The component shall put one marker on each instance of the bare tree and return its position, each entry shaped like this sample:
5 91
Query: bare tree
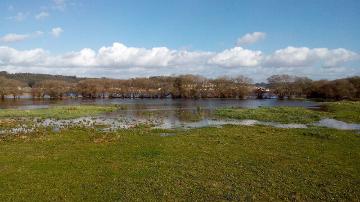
281 85
53 88
10 87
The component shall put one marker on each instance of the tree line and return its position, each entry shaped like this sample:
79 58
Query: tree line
30 78
185 86
286 86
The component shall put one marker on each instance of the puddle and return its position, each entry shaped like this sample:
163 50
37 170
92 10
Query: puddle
114 123
103 123
167 134
280 125
171 119
29 107
220 123
332 123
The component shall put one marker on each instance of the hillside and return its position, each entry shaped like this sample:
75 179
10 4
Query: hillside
30 78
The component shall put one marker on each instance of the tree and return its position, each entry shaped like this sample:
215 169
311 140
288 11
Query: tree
89 88
53 88
242 85
223 87
10 87
281 85
355 81
3 87
337 89
15 88
301 86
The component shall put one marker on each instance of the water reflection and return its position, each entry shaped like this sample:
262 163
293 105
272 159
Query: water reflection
158 104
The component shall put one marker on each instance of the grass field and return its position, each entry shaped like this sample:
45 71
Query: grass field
207 164
344 111
233 163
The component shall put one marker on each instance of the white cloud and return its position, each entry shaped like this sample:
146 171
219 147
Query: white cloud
57 31
121 61
337 56
303 56
20 16
250 38
38 33
237 57
9 38
12 37
42 15
11 56
120 56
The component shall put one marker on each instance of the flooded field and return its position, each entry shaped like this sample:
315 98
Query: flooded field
163 113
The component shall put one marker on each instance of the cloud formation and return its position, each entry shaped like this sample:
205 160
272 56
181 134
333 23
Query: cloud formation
20 16
237 57
303 57
57 31
9 38
42 15
250 38
120 61
12 37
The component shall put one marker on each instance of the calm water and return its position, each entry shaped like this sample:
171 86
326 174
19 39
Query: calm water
157 104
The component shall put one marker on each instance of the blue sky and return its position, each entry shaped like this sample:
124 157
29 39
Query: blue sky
319 39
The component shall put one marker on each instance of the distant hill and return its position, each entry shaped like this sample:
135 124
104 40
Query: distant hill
30 78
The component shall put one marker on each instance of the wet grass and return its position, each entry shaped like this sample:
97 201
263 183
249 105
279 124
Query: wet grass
59 112
273 114
183 115
15 122
207 164
344 111
190 116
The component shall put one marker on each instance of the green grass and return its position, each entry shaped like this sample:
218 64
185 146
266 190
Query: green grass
207 164
344 111
273 114
59 112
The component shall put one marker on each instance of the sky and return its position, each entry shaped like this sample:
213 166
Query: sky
140 38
